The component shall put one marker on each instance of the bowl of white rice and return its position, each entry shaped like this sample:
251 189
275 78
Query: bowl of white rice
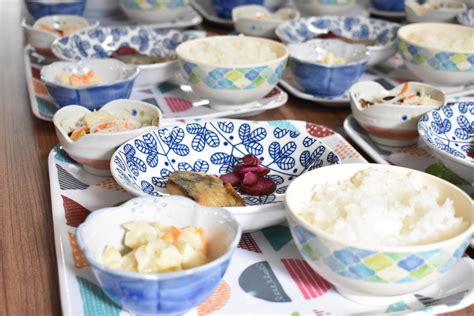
232 70
438 53
378 231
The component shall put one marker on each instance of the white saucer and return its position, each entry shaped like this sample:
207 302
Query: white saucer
204 7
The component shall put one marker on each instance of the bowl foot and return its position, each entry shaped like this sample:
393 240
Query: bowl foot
393 142
369 300
97 172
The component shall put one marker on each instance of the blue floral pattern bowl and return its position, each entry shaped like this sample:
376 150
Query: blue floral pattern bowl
171 293
449 134
383 33
223 8
39 9
101 42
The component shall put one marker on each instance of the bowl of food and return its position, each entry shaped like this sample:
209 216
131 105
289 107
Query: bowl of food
45 30
449 134
438 53
91 137
223 8
40 8
377 232
466 17
244 166
90 83
151 49
379 36
391 117
324 7
327 67
154 11
159 256
389 5
255 20
232 70
433 10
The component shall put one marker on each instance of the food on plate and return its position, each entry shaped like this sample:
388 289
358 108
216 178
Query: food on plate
362 41
250 176
331 59
470 153
130 55
204 189
405 97
153 248
438 37
79 78
382 208
59 28
104 122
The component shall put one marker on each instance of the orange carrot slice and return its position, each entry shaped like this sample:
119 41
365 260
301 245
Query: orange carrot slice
79 133
405 87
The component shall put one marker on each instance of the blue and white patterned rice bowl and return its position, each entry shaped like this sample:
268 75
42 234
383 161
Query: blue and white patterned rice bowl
231 85
384 33
40 8
374 274
449 134
153 11
142 165
171 293
466 17
147 40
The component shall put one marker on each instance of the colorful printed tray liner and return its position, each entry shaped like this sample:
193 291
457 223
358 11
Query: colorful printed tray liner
266 275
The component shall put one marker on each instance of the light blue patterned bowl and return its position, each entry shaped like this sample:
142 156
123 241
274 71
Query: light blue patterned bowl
449 134
466 17
101 42
361 271
153 11
383 33
171 293
40 8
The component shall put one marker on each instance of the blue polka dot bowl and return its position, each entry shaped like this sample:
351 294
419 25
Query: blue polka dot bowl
228 82
449 134
168 293
437 62
40 8
322 79
389 5
223 8
388 123
154 11
371 273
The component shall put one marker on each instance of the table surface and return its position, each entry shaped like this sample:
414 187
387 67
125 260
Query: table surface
29 275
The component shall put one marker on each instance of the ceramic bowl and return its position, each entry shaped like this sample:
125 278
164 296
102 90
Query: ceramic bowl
153 11
389 5
382 33
469 3
40 8
437 64
102 8
255 20
41 38
117 81
223 8
168 293
147 40
415 12
324 7
142 165
449 134
93 151
466 17
373 274
327 80
387 123
227 85
274 5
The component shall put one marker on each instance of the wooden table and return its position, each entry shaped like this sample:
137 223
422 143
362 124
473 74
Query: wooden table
29 275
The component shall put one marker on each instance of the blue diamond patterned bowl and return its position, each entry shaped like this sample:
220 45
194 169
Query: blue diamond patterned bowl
449 134
153 11
360 271
142 165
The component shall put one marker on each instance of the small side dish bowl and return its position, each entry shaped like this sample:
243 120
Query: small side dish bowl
327 79
322 7
223 8
433 11
153 11
466 18
210 66
116 81
389 5
369 273
449 134
167 293
40 8
255 20
428 52
388 123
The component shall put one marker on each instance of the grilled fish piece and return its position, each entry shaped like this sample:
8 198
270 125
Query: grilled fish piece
204 189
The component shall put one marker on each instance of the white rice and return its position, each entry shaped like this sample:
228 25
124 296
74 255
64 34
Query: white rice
237 50
381 208
444 40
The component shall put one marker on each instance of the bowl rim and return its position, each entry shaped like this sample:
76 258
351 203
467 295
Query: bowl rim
235 66
160 275
124 66
399 249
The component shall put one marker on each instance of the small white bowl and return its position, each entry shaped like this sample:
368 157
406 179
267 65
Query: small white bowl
255 20
319 7
391 124
94 151
416 13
